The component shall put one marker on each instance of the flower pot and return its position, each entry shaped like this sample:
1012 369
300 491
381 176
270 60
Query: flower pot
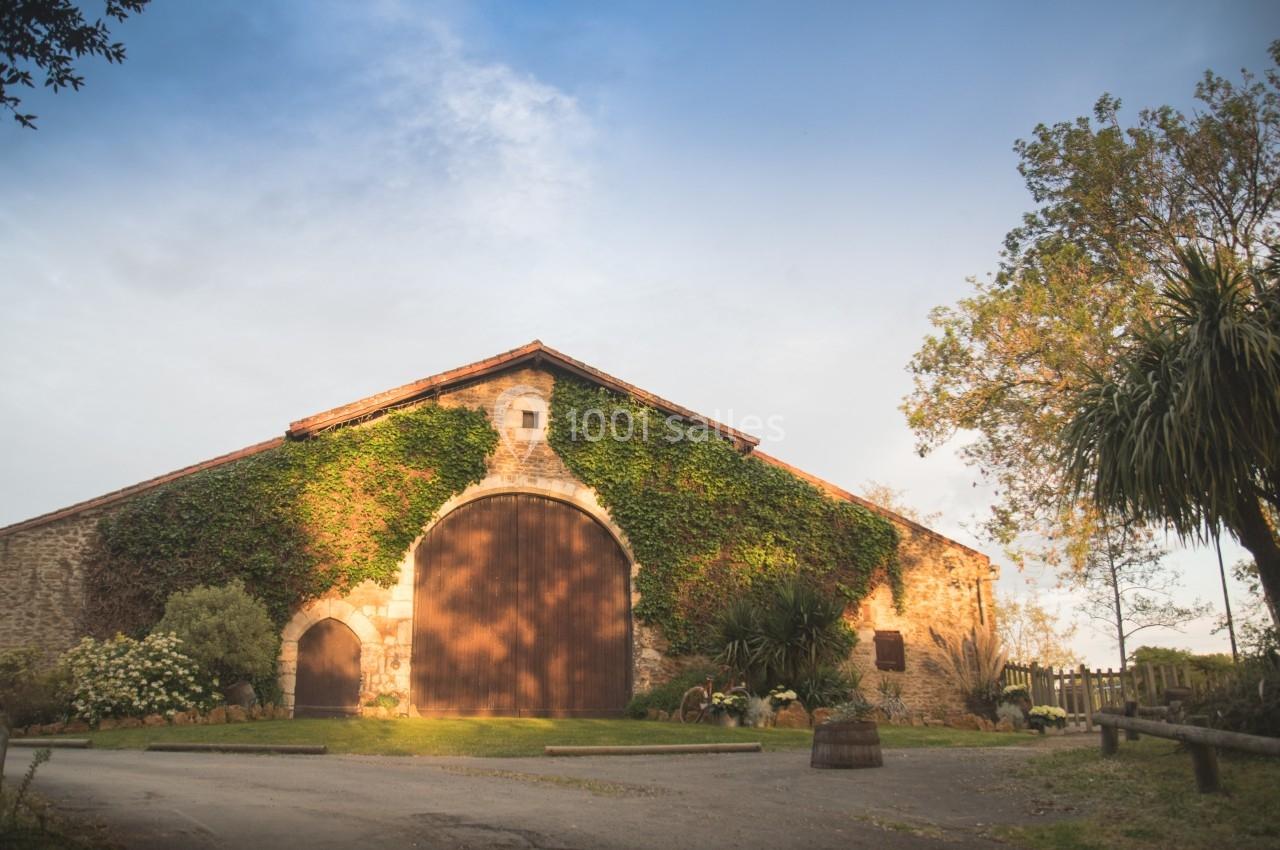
727 720
845 745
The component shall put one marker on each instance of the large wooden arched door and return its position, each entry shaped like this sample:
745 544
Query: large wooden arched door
522 605
328 681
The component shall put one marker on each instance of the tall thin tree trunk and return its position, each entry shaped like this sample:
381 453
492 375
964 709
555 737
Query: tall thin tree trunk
1256 535
1115 590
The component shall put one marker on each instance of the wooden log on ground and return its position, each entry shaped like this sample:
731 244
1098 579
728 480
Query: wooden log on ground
1257 744
653 750
52 743
281 749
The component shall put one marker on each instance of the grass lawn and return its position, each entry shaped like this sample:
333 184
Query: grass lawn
1145 797
508 736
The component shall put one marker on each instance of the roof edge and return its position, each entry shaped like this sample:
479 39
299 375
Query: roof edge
534 352
141 487
841 493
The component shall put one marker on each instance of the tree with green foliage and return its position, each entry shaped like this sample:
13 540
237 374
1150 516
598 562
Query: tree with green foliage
224 630
1184 428
47 35
1210 662
1115 205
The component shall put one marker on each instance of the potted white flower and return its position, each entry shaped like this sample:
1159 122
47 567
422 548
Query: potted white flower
727 709
781 697
1043 716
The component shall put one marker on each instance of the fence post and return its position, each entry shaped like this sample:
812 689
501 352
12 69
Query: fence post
1110 740
1088 698
1130 710
1035 683
1204 759
1149 675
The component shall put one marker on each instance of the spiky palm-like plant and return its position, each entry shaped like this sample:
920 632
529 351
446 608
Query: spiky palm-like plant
972 662
1185 430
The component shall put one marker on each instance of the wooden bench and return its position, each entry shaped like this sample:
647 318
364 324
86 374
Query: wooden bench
1202 743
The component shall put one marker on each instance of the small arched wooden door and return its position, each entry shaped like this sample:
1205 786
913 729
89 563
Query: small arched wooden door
522 606
328 681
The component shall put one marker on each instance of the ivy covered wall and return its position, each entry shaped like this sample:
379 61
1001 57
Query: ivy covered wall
292 522
706 522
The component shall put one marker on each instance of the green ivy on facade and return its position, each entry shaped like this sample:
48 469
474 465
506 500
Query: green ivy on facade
706 522
292 522
296 521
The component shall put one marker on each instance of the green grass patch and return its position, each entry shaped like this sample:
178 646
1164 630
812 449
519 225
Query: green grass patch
1145 798
471 736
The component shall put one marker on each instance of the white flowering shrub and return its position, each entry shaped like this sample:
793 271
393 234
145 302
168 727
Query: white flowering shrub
123 677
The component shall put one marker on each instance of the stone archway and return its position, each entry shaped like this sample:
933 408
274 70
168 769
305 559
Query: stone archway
328 676
371 650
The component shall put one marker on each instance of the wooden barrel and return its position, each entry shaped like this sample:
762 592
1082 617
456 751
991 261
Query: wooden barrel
854 743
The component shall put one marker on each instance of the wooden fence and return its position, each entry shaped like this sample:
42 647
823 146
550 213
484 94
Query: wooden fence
1082 693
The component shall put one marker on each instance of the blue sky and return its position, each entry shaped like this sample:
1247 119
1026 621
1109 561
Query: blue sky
271 209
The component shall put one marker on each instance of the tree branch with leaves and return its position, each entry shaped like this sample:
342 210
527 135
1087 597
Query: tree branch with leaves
46 36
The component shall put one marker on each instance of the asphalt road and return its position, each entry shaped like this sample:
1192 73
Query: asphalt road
927 798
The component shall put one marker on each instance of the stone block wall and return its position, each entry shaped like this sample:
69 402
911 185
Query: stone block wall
946 586
41 580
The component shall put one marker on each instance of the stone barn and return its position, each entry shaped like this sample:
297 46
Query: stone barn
525 535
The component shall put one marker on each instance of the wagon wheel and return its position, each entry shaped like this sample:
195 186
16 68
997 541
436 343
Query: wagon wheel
693 705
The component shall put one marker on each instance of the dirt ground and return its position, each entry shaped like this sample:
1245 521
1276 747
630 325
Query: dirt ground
921 798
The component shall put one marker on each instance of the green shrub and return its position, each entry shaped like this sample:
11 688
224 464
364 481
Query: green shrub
827 686
123 677
31 690
666 697
1248 702
788 633
227 632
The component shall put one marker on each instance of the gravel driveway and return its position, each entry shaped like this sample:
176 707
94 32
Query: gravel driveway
920 798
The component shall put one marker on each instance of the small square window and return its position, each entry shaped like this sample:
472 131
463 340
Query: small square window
529 419
890 653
